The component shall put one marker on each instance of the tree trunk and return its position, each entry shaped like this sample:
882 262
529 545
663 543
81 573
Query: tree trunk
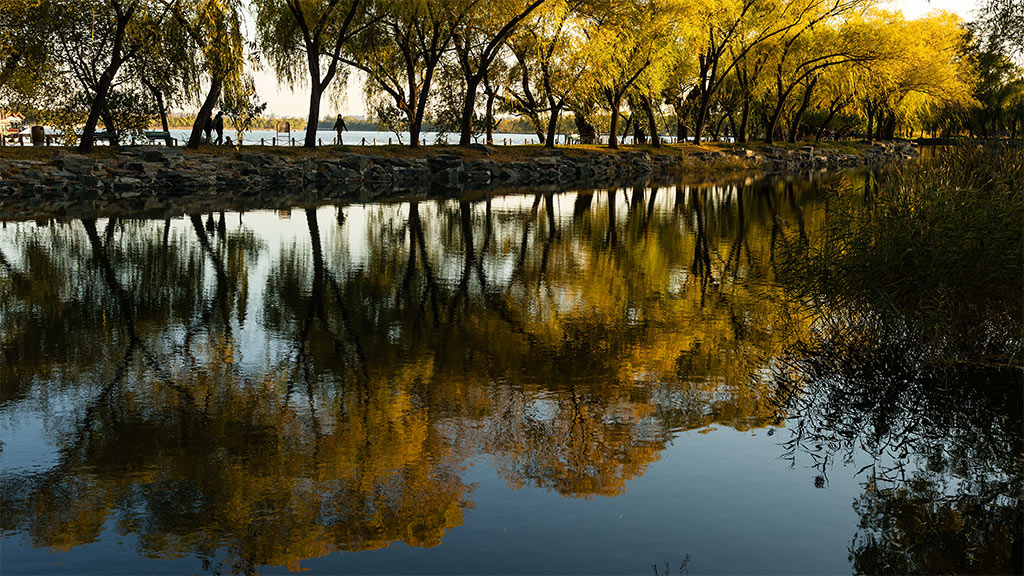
162 108
772 124
414 134
702 115
824 125
795 127
741 133
205 111
549 142
639 132
99 104
613 141
110 127
541 135
313 119
588 135
489 117
652 124
418 101
890 127
466 125
718 128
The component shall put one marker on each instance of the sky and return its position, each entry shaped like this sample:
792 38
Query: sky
281 101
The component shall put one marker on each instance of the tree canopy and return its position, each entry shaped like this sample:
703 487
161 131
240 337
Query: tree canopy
639 69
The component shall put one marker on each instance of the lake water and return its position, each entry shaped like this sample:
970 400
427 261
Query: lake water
377 138
355 137
589 382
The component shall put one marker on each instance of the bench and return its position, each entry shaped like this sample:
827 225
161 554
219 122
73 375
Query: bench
161 135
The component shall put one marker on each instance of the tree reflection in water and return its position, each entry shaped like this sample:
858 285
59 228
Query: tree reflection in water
256 393
938 413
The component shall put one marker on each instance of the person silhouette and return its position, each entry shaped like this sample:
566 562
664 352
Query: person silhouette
339 127
218 126
208 128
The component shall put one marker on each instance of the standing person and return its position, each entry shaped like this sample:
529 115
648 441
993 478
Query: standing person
218 125
207 128
339 127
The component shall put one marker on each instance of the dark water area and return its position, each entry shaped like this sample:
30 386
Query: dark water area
588 382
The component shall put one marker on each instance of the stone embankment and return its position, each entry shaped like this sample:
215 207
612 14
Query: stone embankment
151 179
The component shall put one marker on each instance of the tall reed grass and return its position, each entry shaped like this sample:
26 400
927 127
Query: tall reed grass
934 248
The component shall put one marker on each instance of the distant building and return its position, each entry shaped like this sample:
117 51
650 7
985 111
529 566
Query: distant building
10 122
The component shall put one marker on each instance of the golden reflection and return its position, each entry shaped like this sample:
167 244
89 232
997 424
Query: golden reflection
287 388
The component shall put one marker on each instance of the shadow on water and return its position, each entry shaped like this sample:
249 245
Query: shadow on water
264 388
942 484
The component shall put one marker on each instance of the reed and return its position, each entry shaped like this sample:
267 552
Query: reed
934 248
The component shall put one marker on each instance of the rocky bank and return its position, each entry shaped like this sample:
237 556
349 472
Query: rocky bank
153 180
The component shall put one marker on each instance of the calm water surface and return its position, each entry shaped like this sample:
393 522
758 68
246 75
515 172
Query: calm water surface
585 382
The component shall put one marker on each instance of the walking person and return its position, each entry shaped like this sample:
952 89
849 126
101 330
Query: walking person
218 126
339 127
208 128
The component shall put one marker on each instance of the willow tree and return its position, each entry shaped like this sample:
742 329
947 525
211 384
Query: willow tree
549 57
305 42
25 49
924 68
800 59
836 93
214 27
625 41
92 41
644 96
731 28
679 84
170 73
401 51
479 42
